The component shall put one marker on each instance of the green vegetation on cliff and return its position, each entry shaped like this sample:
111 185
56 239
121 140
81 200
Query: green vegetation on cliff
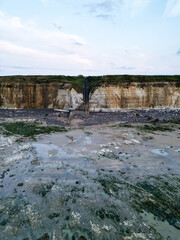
75 81
93 81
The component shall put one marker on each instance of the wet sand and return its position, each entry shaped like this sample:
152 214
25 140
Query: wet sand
104 181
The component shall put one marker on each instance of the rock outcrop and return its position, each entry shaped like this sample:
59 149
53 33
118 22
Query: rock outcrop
136 95
106 92
39 95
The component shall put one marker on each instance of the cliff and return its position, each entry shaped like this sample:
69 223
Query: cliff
106 92
136 95
39 95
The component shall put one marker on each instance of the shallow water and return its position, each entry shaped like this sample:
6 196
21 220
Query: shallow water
159 151
90 183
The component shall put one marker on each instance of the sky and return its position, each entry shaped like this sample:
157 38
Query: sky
89 37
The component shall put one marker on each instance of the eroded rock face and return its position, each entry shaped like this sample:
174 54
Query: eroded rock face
136 95
58 95
39 95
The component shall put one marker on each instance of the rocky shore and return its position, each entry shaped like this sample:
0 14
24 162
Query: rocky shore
105 176
94 118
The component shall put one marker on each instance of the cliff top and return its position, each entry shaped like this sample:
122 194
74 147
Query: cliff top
93 81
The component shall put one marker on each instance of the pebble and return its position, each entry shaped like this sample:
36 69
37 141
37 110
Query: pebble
20 184
3 223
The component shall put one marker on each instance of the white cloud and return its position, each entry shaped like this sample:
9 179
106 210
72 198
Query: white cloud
13 49
172 8
24 44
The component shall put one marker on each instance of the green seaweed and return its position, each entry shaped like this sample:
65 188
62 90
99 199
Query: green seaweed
154 128
125 125
158 197
159 204
26 129
175 121
102 213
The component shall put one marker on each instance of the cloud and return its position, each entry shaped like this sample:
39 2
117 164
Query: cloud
105 16
126 68
57 26
172 8
106 6
9 48
106 9
103 10
24 45
178 52
40 56
16 67
25 68
78 43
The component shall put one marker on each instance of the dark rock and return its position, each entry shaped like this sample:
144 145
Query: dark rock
82 238
48 186
154 120
44 237
12 175
3 223
43 193
3 174
117 218
101 215
20 184
35 162
148 117
75 236
42 190
54 215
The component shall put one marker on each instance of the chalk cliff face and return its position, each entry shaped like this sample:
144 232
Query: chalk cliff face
58 95
39 95
136 95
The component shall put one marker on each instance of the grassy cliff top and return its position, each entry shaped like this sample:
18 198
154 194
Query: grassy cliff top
93 81
75 81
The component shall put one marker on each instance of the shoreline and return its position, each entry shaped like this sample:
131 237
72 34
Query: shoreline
61 118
